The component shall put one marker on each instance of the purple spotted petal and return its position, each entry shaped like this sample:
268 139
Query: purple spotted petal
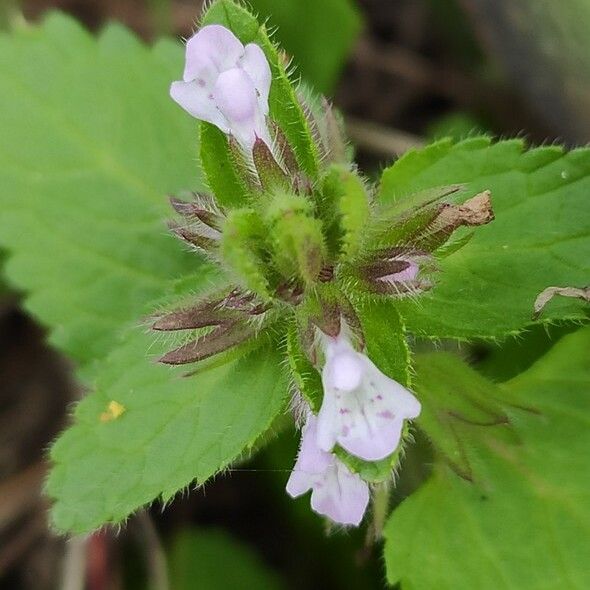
344 496
336 492
363 410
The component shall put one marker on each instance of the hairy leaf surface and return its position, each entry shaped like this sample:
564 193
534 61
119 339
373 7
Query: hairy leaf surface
88 153
540 237
173 430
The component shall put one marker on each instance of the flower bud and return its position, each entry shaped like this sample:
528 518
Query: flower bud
242 249
296 236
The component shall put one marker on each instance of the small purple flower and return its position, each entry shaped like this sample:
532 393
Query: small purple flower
336 493
407 275
226 84
363 409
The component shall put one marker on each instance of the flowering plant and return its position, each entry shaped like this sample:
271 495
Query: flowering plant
303 296
301 254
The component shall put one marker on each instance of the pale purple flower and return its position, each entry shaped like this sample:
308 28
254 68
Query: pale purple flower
404 276
336 492
363 410
226 84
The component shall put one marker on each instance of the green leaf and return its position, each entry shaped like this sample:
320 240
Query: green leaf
385 336
318 49
540 237
456 403
92 146
212 560
173 430
504 360
89 151
283 104
524 521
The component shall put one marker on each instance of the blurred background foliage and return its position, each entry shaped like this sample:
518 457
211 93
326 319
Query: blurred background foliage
402 73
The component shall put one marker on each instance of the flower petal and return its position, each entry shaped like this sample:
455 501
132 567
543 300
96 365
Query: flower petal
311 462
255 64
226 84
343 497
408 274
365 420
235 96
210 51
236 99
190 96
336 492
329 426
344 371
405 403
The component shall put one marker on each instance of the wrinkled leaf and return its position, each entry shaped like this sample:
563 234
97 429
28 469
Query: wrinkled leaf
89 151
540 235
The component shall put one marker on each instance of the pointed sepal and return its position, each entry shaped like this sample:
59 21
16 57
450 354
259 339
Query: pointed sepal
219 340
194 237
202 315
474 212
202 208
270 173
